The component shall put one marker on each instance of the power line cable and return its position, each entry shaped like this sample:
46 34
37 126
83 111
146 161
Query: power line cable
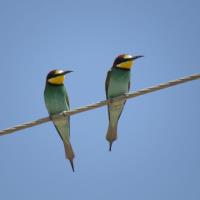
102 103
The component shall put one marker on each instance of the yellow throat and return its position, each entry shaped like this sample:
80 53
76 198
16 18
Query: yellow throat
59 79
125 65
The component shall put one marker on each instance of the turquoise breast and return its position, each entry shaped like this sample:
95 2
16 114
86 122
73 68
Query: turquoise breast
119 82
55 99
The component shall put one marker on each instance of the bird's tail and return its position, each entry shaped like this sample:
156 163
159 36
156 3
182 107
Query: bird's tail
111 135
69 154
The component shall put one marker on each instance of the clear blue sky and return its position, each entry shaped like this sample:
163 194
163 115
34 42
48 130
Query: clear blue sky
157 155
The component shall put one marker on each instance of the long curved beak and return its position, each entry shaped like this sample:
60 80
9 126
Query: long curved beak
136 57
66 72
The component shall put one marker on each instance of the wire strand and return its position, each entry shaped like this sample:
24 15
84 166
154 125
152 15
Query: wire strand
102 103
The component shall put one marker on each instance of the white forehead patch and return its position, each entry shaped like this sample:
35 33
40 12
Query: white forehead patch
127 56
59 71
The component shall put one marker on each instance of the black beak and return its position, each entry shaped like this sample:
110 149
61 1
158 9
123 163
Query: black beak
136 57
66 72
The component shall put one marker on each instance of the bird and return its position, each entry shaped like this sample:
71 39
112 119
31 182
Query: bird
57 101
117 83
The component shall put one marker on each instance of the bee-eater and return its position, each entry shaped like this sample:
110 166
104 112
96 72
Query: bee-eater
117 83
57 101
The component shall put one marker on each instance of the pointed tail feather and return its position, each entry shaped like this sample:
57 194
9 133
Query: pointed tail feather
111 135
72 164
110 146
69 154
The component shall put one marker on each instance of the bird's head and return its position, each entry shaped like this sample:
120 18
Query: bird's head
125 61
56 77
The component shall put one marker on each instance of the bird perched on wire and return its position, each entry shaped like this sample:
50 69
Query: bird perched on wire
117 83
57 101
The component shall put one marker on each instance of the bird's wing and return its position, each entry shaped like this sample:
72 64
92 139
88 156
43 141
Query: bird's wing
121 110
67 101
67 98
106 88
129 85
58 132
107 82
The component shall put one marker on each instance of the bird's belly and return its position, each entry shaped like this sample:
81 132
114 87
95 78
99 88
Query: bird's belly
115 110
56 104
117 88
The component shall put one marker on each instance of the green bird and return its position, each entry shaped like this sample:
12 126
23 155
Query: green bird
117 84
57 101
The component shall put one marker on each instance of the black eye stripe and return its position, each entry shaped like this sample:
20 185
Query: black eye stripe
120 59
53 75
